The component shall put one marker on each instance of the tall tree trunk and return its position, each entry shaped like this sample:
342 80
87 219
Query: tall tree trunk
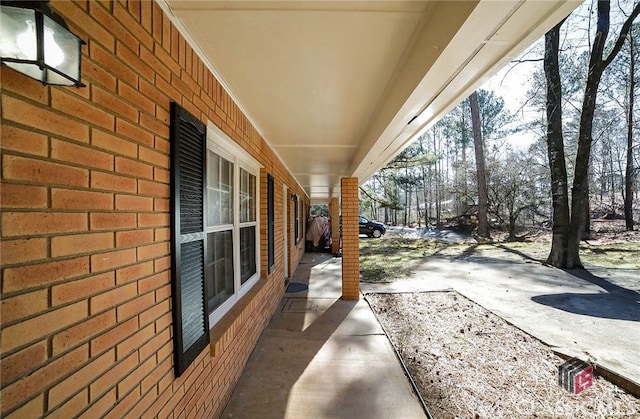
613 182
418 215
513 217
407 207
465 191
406 197
483 224
628 178
555 149
428 195
438 175
586 231
603 180
446 179
580 189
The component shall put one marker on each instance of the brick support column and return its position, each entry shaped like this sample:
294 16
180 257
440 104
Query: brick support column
334 214
350 240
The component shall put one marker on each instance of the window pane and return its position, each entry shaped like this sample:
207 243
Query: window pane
219 268
219 190
247 196
213 171
247 253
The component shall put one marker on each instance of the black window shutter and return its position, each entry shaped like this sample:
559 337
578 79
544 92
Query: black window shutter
188 169
296 219
270 224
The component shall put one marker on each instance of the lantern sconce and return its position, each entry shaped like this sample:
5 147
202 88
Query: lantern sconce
37 42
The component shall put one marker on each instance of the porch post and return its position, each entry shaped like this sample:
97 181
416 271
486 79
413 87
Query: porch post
350 240
334 214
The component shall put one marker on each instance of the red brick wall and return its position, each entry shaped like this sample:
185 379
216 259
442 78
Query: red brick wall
350 241
86 296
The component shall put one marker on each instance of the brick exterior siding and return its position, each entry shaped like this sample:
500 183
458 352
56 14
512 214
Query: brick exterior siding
350 239
86 325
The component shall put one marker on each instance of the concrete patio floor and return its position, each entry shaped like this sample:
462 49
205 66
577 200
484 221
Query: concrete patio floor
323 357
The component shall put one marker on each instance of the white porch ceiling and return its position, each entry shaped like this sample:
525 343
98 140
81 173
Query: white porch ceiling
338 88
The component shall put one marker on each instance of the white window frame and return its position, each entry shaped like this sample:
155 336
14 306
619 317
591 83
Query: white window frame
221 144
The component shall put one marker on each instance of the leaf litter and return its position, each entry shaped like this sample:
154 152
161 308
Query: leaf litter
469 363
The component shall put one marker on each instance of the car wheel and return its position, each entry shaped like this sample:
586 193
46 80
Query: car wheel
376 233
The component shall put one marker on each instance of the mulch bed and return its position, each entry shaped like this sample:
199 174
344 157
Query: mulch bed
469 363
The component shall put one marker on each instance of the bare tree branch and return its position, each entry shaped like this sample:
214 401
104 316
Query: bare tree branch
623 35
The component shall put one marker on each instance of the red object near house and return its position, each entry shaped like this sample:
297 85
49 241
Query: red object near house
575 375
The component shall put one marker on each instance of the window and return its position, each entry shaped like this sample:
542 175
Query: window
270 224
232 223
248 244
214 230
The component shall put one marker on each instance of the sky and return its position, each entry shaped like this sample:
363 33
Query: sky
512 82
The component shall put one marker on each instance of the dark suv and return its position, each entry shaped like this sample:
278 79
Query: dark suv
371 228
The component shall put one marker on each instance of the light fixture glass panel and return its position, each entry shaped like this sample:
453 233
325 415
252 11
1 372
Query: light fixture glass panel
31 70
57 79
61 49
36 44
53 54
18 34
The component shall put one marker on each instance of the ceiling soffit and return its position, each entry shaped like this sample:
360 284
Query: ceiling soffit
333 85
494 33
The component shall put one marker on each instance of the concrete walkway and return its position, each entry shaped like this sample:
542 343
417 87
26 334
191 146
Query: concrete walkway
322 357
593 314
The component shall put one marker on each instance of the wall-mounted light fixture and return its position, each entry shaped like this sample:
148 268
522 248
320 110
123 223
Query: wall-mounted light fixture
36 41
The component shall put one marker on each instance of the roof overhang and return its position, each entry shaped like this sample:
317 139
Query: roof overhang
338 88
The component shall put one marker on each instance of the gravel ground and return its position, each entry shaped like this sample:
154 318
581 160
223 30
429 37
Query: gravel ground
469 363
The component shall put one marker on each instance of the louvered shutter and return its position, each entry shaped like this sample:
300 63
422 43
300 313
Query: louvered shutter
188 169
270 224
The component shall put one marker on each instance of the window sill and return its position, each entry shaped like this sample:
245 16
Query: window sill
224 332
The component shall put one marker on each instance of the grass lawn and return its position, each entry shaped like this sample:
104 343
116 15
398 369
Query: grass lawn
390 258
611 256
386 259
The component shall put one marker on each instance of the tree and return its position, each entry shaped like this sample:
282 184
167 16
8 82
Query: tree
613 131
568 231
555 150
429 175
458 128
597 65
483 224
513 188
628 180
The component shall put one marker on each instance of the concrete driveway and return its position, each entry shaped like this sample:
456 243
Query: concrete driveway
593 314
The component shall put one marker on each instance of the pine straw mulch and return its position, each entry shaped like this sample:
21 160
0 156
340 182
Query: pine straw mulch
469 363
